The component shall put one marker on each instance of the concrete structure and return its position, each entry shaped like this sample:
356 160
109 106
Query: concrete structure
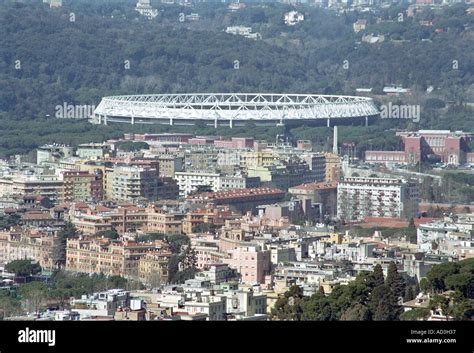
243 200
100 304
53 153
131 183
448 237
232 108
448 147
358 198
18 244
323 193
110 257
251 262
81 186
93 150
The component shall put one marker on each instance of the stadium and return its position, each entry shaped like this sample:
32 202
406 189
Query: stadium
235 109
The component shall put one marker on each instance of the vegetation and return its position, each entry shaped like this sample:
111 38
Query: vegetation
59 251
8 221
109 49
131 146
369 297
204 228
23 268
111 234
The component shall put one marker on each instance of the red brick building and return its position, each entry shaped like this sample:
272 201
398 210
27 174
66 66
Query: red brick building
446 146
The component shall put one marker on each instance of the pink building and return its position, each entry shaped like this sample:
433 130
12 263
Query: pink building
235 142
252 263
159 137
200 141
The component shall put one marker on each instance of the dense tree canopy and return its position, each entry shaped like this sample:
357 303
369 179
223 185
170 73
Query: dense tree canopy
48 59
23 267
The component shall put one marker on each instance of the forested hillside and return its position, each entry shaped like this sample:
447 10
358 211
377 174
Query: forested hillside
88 49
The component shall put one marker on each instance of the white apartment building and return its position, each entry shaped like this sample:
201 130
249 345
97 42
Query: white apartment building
245 304
129 183
212 306
447 238
100 304
188 182
358 198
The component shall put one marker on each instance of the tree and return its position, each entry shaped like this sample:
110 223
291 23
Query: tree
425 285
317 308
378 276
409 294
34 295
204 228
383 304
9 306
288 307
415 314
23 268
59 250
439 272
110 234
116 282
463 282
395 281
438 302
358 312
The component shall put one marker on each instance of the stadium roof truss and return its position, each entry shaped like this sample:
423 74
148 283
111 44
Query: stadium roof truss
232 106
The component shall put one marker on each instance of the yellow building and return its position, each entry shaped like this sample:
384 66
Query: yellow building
153 268
259 159
25 244
333 167
110 257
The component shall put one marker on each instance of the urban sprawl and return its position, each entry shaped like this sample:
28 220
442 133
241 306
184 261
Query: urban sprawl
174 226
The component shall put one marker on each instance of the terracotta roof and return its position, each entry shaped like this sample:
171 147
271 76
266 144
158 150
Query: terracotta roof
36 215
316 186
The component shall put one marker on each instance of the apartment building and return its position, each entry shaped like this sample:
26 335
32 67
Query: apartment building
317 165
243 200
251 262
110 257
41 185
160 221
153 267
333 164
358 198
324 193
210 214
81 186
190 182
169 165
447 237
207 251
132 183
26 244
